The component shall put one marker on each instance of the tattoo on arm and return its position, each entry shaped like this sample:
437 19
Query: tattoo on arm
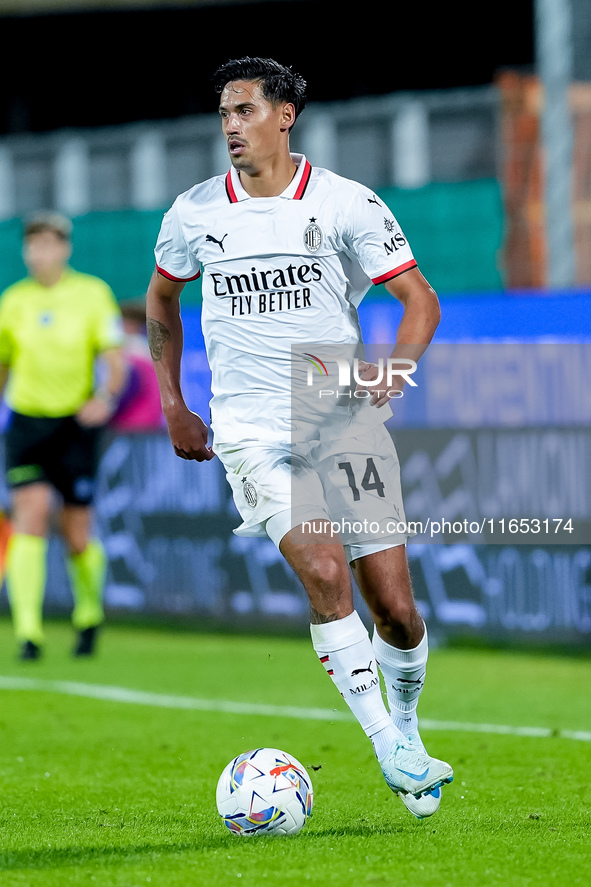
317 618
157 336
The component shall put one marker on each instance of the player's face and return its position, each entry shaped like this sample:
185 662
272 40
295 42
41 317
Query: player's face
45 253
254 129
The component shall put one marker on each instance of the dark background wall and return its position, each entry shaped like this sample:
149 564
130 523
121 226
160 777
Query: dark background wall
101 68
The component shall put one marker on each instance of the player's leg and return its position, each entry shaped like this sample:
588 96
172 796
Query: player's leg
261 480
74 477
378 559
86 564
26 564
400 643
370 496
27 444
339 637
400 637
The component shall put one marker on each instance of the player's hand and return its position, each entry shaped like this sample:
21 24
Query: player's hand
95 412
188 434
380 395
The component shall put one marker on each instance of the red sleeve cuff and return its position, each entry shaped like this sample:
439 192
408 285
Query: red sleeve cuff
170 276
389 275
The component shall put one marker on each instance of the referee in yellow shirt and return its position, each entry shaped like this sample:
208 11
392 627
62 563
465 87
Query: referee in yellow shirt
54 325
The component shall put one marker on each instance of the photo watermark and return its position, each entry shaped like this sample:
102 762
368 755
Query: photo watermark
481 444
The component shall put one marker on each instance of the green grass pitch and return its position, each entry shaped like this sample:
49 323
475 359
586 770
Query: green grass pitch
118 794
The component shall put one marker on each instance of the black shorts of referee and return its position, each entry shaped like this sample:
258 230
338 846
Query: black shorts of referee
59 451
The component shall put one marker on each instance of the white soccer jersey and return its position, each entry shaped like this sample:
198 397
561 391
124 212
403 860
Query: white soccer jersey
277 271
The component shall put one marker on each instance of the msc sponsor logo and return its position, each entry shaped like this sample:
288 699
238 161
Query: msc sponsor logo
397 241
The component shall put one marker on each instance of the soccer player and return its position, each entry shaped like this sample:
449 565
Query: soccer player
287 252
54 325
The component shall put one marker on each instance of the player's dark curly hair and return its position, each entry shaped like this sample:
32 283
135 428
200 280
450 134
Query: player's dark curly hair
278 83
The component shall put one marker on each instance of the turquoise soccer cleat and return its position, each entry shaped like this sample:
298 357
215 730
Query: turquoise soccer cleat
427 804
409 770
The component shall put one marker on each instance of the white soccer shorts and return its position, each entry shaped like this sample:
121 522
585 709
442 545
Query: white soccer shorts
348 491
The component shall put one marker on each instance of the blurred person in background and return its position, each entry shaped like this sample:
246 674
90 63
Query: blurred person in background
54 326
139 408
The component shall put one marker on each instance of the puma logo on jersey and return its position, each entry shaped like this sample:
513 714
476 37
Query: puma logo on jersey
220 243
374 200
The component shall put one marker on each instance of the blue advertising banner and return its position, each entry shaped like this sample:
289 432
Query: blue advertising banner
495 450
167 527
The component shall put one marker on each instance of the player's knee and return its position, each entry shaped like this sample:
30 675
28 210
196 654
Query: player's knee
30 512
75 538
326 572
396 616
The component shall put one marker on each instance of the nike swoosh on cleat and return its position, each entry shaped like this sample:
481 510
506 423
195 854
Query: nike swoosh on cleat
417 776
431 791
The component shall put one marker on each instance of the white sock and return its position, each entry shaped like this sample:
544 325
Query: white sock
345 650
404 676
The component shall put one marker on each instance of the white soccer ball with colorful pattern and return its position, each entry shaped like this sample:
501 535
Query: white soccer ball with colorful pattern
265 791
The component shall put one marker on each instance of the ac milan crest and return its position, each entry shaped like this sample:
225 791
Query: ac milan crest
250 493
313 237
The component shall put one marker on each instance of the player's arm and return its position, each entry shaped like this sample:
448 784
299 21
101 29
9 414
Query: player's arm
419 321
5 345
103 403
4 370
188 432
421 309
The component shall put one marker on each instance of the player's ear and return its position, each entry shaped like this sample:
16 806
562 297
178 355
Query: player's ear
288 116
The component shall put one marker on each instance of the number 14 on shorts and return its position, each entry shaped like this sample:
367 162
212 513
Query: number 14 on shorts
369 482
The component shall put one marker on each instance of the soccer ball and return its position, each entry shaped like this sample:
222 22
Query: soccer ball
264 792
